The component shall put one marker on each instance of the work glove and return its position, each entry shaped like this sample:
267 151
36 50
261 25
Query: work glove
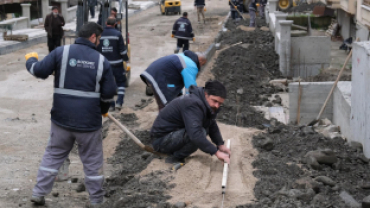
172 35
194 39
236 7
32 54
205 9
257 4
105 115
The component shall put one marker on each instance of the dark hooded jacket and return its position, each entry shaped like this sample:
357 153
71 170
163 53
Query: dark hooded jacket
199 3
193 113
170 74
182 29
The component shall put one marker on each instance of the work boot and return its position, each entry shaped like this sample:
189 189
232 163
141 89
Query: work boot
93 205
174 160
38 200
118 106
176 50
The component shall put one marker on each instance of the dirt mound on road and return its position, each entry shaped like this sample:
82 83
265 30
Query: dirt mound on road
287 178
245 72
232 25
253 37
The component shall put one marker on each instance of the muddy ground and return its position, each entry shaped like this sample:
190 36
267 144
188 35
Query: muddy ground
296 166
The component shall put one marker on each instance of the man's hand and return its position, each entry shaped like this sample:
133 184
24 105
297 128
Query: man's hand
32 54
172 35
105 115
224 149
223 157
236 7
193 39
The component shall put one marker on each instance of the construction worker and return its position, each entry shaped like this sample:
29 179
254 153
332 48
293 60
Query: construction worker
83 88
252 13
92 4
263 4
182 126
199 5
112 46
183 31
168 75
54 23
234 6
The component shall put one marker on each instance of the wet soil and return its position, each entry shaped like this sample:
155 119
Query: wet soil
245 71
279 168
288 177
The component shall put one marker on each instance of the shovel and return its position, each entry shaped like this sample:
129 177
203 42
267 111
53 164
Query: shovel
133 137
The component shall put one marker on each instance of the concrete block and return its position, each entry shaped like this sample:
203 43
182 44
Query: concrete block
360 99
26 12
342 108
313 97
309 55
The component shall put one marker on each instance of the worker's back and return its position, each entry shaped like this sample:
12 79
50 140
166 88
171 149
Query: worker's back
82 79
112 46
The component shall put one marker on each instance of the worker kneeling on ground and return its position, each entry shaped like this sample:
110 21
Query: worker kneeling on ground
182 126
183 31
168 75
113 48
83 88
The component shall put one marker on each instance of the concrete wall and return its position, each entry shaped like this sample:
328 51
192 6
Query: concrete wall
360 104
310 54
342 108
18 23
71 13
344 21
362 32
312 98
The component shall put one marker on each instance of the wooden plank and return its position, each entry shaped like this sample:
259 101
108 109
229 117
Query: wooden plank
278 113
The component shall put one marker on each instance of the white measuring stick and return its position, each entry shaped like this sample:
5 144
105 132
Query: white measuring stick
226 171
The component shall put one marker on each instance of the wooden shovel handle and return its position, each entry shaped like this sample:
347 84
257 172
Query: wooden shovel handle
131 135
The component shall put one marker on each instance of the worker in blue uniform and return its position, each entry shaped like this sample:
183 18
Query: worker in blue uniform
168 75
112 46
83 88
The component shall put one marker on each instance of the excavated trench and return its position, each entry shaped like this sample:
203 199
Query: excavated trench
295 167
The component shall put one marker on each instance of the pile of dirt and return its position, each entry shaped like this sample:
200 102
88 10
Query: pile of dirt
304 7
252 37
232 25
245 72
298 167
124 188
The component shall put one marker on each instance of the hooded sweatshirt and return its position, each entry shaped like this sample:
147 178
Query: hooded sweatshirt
193 113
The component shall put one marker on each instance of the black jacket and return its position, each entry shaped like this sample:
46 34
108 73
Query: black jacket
237 3
112 46
199 3
83 84
193 113
182 29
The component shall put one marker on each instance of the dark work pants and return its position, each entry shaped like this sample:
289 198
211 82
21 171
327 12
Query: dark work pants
252 21
92 11
234 14
120 77
176 143
156 97
90 149
53 42
184 44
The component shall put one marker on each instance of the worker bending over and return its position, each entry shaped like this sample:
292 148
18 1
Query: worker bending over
183 125
83 88
112 46
168 75
183 31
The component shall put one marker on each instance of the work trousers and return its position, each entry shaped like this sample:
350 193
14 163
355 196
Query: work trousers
60 144
262 11
176 143
234 14
252 21
54 42
200 11
182 43
156 97
119 74
92 11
